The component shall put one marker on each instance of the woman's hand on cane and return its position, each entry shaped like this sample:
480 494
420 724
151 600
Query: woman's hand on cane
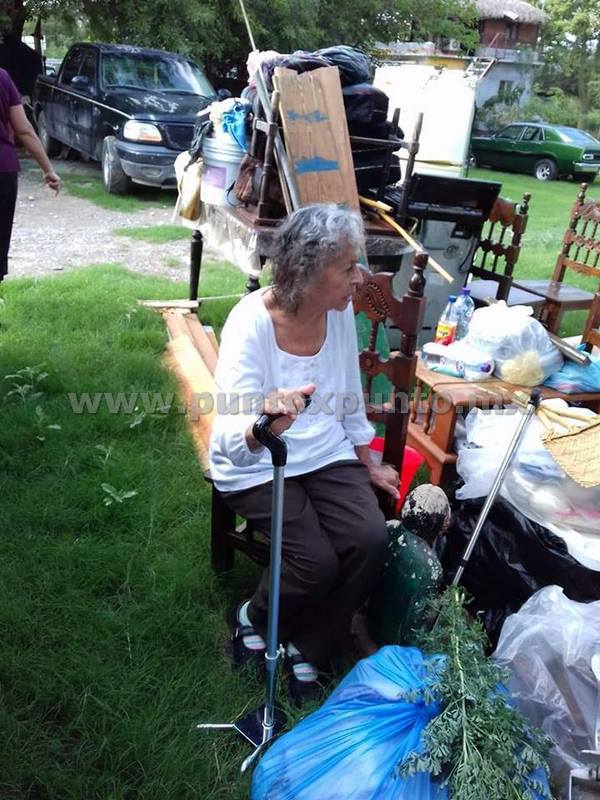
285 404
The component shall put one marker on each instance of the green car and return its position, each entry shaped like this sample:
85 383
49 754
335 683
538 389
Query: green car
546 151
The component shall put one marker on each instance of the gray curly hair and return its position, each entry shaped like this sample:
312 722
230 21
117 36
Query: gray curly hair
305 243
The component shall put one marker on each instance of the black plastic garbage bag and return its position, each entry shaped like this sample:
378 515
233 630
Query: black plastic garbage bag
365 104
354 65
513 558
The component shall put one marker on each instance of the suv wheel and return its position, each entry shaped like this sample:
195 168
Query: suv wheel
546 170
52 146
113 177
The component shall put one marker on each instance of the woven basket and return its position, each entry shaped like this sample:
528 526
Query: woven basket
578 452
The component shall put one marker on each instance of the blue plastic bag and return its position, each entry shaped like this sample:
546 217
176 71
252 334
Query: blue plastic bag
351 747
234 123
571 377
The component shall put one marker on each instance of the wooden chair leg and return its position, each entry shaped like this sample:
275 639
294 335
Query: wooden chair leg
222 521
195 263
552 317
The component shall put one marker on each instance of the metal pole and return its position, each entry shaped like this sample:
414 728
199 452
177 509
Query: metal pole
532 405
273 651
274 589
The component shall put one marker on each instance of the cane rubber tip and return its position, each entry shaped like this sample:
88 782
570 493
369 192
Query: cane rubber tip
535 397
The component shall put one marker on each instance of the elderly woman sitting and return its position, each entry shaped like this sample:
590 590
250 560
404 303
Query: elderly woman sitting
297 337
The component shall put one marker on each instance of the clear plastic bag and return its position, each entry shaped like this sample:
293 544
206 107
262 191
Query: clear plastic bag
547 647
535 484
350 748
487 436
519 344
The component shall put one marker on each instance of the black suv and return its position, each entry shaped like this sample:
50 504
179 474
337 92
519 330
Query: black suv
131 108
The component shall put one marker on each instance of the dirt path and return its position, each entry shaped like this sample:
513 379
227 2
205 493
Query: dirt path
52 235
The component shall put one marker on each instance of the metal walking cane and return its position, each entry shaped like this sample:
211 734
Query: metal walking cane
260 725
534 401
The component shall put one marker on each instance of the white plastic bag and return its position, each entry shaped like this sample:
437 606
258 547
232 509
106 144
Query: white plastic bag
547 647
519 344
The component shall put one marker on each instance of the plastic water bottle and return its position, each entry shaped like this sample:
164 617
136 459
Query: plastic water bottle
464 312
435 357
458 359
445 333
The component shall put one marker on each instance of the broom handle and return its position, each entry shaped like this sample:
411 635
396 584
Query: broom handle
289 187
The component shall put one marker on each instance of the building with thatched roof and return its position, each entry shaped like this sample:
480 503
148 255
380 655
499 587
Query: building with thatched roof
519 9
508 32
508 55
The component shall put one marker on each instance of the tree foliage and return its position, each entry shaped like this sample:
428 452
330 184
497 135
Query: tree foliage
571 53
213 32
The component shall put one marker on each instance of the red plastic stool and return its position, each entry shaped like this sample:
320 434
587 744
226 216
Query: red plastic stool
410 464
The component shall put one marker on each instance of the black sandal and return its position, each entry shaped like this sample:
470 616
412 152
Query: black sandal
300 691
243 655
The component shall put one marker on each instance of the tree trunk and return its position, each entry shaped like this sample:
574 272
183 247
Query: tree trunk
17 14
583 76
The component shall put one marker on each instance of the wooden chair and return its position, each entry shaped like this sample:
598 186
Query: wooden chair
376 299
497 253
581 253
591 333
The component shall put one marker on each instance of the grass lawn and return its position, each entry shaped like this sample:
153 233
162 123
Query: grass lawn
112 623
549 211
155 234
89 187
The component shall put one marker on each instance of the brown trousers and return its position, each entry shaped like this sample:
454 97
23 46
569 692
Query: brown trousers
333 551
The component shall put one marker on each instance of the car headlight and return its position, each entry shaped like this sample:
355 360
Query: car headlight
141 131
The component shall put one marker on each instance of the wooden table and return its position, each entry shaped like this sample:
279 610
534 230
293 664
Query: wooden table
438 401
253 242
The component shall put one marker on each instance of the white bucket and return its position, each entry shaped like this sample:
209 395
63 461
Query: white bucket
221 161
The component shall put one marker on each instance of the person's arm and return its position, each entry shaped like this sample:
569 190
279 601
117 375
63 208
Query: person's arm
354 419
24 132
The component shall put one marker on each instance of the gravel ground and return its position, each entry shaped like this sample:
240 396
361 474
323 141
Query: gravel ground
54 234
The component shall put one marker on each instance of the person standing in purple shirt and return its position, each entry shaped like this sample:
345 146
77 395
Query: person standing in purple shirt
14 125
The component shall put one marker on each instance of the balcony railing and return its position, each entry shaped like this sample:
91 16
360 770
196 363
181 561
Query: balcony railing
517 55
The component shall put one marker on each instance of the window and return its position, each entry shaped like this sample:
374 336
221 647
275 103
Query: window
154 73
575 136
88 66
504 87
512 132
71 66
531 134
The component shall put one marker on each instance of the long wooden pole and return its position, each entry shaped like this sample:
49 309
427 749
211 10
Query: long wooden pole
381 209
291 195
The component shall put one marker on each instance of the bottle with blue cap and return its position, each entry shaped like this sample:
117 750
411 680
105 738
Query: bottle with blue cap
464 308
